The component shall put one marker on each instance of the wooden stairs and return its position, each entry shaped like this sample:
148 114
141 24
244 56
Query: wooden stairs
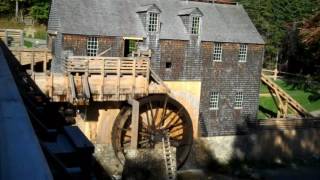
284 100
169 158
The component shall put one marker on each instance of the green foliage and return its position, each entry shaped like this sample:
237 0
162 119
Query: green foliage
5 7
38 9
272 17
40 12
28 44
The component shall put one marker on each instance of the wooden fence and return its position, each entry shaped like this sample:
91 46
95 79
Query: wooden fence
108 65
12 37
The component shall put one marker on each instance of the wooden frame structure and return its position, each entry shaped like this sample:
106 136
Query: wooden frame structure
12 37
283 100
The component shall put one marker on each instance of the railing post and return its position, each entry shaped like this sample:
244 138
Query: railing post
118 78
6 37
133 77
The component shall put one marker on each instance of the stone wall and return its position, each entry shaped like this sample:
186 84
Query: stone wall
267 146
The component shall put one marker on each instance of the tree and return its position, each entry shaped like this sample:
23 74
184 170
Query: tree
272 17
5 7
40 11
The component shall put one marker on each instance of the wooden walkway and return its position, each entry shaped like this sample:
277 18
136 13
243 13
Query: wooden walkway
284 100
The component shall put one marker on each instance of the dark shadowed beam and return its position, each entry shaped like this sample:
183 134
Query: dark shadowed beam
21 156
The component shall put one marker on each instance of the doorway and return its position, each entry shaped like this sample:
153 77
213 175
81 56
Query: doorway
130 45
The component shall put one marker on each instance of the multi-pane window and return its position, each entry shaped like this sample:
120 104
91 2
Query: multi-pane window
153 22
238 100
243 53
92 46
217 52
195 28
214 100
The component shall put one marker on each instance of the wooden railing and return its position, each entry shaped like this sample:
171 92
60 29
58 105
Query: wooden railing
108 65
31 56
284 99
12 37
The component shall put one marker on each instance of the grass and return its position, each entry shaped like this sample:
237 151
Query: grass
268 107
7 23
27 44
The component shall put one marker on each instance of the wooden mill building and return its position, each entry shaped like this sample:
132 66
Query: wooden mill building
209 54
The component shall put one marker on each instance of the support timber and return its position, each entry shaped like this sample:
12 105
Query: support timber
283 100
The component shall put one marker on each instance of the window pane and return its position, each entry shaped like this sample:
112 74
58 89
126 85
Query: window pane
153 22
243 53
238 100
214 100
195 25
92 46
217 52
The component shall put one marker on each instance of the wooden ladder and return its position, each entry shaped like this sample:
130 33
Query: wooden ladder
284 99
168 157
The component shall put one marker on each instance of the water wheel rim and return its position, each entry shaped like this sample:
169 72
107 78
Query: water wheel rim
167 114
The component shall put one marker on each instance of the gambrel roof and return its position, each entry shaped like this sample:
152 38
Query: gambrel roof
220 22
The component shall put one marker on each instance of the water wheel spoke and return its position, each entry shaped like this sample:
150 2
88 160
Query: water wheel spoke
163 114
144 133
151 111
176 136
144 141
175 118
158 114
147 118
176 124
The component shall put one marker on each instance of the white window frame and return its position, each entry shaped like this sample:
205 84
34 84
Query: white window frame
214 100
92 46
238 102
243 51
195 25
153 21
217 52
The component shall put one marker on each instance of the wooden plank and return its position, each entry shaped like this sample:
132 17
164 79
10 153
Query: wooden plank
134 123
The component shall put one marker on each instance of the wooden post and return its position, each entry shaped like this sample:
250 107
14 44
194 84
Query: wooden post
21 38
102 79
118 78
134 77
134 123
147 77
51 86
6 37
45 63
32 64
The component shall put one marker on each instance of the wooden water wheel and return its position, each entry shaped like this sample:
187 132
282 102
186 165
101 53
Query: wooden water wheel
158 115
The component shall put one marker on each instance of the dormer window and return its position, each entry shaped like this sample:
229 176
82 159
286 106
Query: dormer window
153 22
195 28
149 15
191 18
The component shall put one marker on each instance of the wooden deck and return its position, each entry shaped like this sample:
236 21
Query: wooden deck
100 79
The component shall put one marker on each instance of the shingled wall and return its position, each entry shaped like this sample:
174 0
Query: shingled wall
78 45
192 60
228 77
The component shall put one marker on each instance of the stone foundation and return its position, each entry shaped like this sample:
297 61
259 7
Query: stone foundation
268 146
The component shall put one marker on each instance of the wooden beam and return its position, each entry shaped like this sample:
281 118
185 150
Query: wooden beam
134 123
